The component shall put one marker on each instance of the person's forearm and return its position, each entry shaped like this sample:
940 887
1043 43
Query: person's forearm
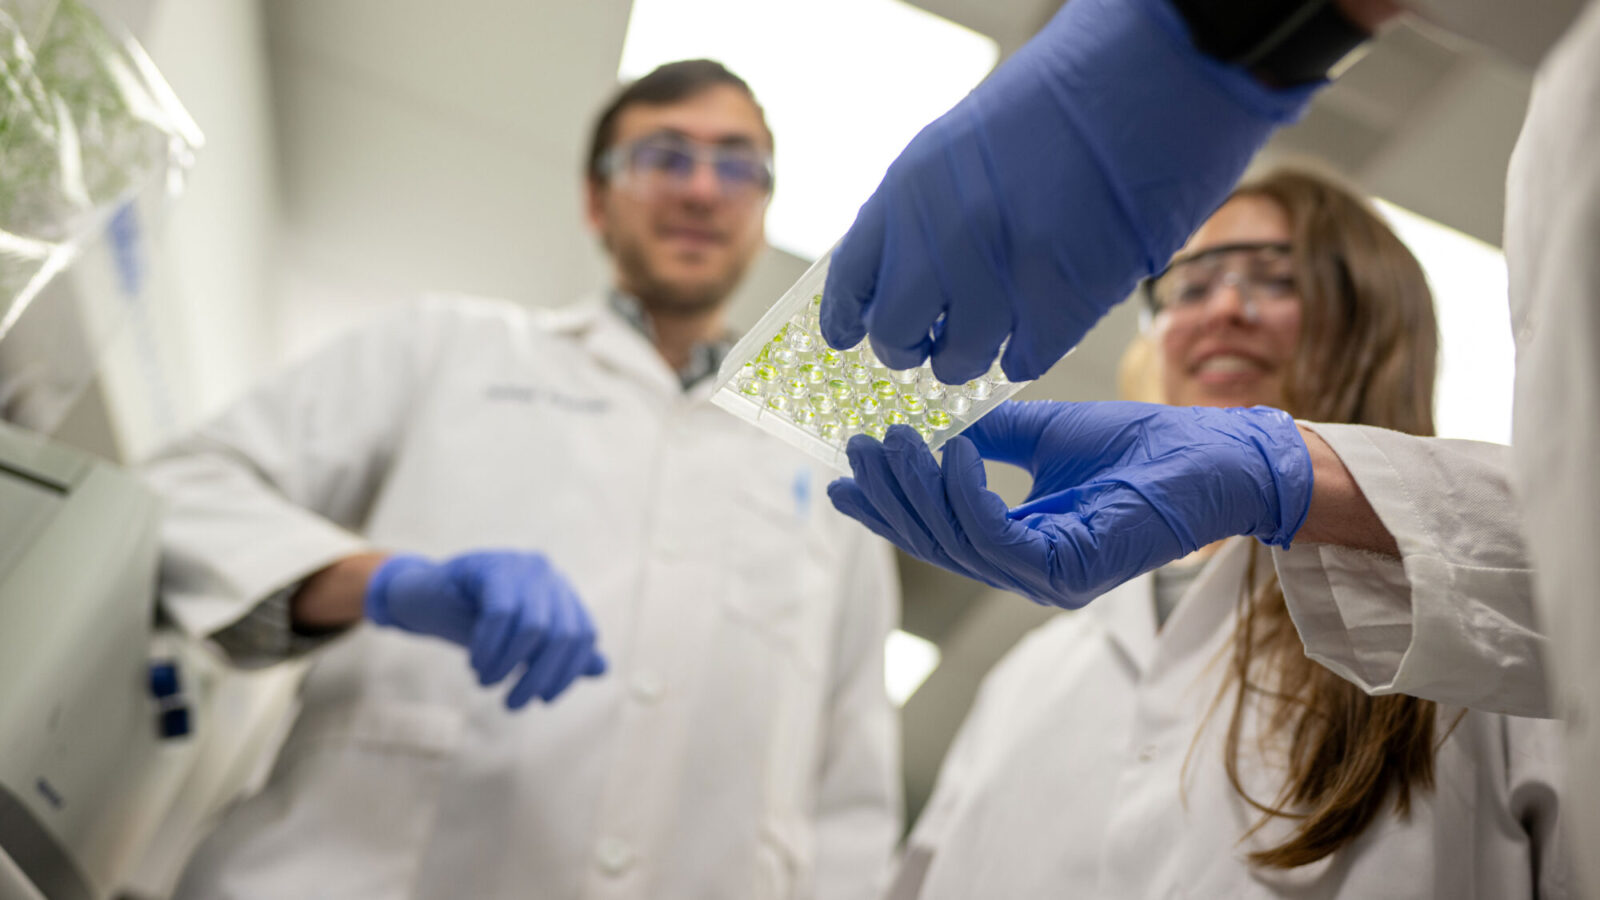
332 597
1340 513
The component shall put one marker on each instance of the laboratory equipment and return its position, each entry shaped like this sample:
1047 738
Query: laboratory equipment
80 741
119 741
785 379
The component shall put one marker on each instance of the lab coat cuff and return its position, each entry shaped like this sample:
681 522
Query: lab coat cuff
1411 625
266 635
1354 608
246 577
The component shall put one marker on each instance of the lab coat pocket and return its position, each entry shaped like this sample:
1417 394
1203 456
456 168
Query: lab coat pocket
350 809
767 555
783 862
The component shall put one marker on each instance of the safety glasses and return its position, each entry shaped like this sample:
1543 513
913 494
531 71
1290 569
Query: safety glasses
1263 273
668 161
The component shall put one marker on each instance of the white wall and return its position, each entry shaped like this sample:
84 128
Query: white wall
431 175
222 230
201 329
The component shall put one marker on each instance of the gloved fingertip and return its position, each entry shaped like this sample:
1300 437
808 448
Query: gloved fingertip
852 502
489 677
520 695
950 370
901 357
963 465
903 434
960 450
902 440
840 323
858 451
852 276
1019 365
481 652
841 318
847 497
477 659
595 665
556 690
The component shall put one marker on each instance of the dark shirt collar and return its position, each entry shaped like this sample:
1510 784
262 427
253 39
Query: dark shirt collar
704 358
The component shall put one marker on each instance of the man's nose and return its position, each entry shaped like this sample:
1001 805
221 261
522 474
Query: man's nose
701 183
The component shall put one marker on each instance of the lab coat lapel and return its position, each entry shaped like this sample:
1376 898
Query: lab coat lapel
1127 612
1206 606
618 346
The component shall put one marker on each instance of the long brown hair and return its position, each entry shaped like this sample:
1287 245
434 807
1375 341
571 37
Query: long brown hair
1367 355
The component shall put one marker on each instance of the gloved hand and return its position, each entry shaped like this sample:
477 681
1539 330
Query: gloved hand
1036 203
506 607
1118 489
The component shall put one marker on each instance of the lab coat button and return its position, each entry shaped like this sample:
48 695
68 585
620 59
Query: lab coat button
648 687
1147 753
613 855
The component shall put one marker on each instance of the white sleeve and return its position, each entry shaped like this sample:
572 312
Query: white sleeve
859 807
1523 30
276 487
1453 619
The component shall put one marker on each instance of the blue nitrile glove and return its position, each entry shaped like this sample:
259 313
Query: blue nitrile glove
1038 202
1118 489
506 607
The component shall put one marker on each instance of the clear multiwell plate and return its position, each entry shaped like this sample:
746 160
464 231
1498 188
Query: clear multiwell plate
784 378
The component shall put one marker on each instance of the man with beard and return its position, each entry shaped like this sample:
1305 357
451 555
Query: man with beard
473 494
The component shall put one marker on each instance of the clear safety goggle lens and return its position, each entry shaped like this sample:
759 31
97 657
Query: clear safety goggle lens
658 159
1261 272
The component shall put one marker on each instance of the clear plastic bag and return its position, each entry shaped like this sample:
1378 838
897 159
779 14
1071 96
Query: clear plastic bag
93 144
86 124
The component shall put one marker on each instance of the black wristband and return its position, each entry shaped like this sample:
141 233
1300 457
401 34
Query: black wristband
1281 42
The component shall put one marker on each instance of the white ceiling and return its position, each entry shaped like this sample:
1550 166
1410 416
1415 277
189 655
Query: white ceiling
428 145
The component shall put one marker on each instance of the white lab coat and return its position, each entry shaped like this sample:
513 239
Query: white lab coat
1498 633
1553 255
741 745
1079 773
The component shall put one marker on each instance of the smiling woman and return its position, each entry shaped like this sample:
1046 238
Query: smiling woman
1296 294
1228 310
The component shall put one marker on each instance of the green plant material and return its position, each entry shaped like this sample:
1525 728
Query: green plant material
77 135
